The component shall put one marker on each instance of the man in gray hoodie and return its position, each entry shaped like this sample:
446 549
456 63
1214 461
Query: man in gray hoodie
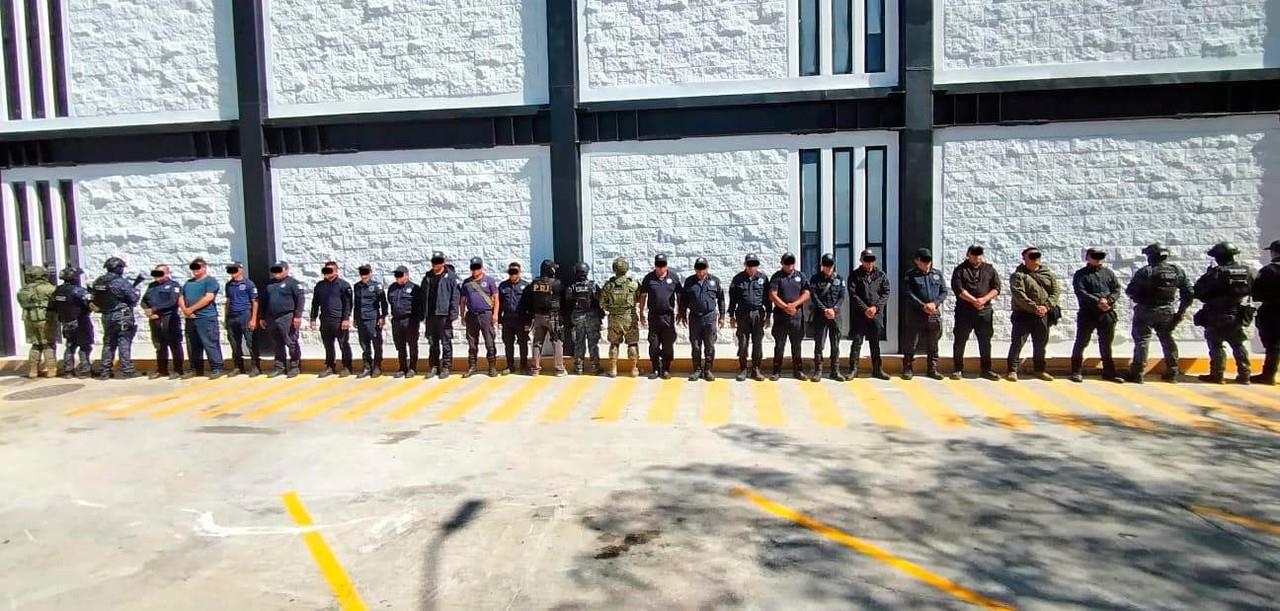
1036 294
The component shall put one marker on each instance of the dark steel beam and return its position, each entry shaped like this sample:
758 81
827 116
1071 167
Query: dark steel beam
474 132
915 228
562 82
750 99
39 150
1121 80
255 169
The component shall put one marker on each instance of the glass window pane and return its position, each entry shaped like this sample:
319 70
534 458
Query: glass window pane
875 36
843 204
875 194
841 36
808 37
810 206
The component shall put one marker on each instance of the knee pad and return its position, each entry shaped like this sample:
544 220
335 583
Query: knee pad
633 351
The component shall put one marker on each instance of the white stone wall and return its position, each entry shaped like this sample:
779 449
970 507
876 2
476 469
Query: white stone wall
361 55
150 56
1041 34
664 42
1116 185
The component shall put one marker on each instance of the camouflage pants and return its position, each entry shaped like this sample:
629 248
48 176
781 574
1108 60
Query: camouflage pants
624 327
586 338
41 336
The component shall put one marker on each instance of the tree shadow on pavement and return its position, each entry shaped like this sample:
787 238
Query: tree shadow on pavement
463 516
1097 521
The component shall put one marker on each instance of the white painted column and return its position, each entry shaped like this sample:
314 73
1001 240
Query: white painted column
827 196
24 71
10 227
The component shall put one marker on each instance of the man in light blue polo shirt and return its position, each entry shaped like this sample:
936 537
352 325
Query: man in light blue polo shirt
198 306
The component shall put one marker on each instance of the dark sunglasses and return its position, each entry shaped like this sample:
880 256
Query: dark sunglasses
926 259
155 273
513 271
1033 255
437 261
276 269
1097 256
476 267
365 271
399 274
194 266
753 264
660 264
326 270
231 269
869 259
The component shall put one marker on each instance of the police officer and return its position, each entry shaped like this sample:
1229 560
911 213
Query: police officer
515 328
826 290
405 300
480 311
869 292
541 303
331 302
160 306
618 299
115 298
657 298
1097 290
284 301
975 283
439 311
198 306
72 304
241 319
1225 288
35 297
788 291
927 291
749 307
370 308
1266 290
703 298
1161 295
1036 295
585 317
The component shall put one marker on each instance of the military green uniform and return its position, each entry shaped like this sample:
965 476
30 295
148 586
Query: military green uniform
618 298
35 297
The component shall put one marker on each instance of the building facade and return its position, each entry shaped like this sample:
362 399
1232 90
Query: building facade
380 130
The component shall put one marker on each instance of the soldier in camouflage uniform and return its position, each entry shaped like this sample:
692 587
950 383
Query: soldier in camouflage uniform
583 301
618 298
35 297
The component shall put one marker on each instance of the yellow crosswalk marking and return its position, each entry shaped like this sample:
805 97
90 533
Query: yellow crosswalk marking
472 399
820 404
663 409
769 411
93 407
186 406
870 399
716 406
1132 394
615 402
149 402
327 403
929 403
1074 393
1253 396
244 399
399 387
1198 399
568 400
425 398
1019 391
984 403
519 399
265 411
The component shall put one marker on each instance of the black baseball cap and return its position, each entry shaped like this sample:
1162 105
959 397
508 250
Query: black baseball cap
976 250
751 260
867 255
700 263
401 271
279 266
1275 246
828 259
788 259
437 258
660 260
234 267
924 254
477 263
365 269
1031 252
1096 254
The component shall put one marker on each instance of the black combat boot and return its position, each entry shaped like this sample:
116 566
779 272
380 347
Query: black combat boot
1212 378
817 372
1268 375
877 370
836 374
328 371
493 368
775 374
707 375
696 375
742 374
932 370
797 371
756 374
376 372
471 368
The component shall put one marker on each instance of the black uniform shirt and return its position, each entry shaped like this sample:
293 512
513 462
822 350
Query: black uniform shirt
71 302
826 292
661 292
332 300
702 297
1092 284
788 288
869 288
1266 288
748 294
162 297
509 294
370 300
925 287
403 299
284 298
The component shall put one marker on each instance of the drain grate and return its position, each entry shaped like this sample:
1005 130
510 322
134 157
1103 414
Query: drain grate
44 392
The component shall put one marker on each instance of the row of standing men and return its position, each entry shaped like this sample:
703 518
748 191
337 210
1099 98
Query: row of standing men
546 310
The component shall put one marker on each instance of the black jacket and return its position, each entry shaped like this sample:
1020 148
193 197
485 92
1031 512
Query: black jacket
331 300
869 288
922 288
283 298
405 301
702 298
1266 288
749 294
448 294
370 301
1092 284
826 293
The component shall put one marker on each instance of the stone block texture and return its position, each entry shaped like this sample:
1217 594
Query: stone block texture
664 42
1117 186
352 50
140 56
166 217
390 214
716 205
987 34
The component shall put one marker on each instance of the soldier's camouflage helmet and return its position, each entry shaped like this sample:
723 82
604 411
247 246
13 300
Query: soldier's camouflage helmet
621 267
35 272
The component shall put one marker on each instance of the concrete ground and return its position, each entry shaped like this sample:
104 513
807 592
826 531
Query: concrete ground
589 493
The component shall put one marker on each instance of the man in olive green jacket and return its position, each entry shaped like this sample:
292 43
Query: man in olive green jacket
1036 293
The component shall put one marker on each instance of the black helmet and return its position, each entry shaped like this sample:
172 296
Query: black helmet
581 270
114 264
1223 250
700 263
70 273
1155 249
828 259
788 259
1275 246
548 268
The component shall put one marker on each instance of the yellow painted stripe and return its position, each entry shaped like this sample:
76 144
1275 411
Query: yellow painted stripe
186 406
93 407
716 404
985 404
929 403
820 404
327 403
562 406
615 401
663 409
1019 391
1266 527
472 399
250 398
769 411
420 401
400 387
1073 392
1253 395
870 399
519 399
345 591
265 411
1198 399
149 403
1134 394
862 547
